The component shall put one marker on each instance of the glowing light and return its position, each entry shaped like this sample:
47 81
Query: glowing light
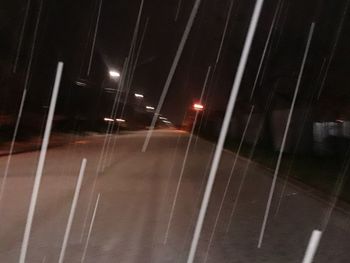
120 120
149 108
198 107
138 95
108 119
114 74
162 118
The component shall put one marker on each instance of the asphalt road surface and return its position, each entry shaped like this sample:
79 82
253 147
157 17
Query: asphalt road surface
136 192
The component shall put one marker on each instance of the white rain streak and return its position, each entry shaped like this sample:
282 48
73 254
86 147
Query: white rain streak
171 170
90 229
224 128
205 84
185 158
312 247
172 72
284 187
41 162
100 165
267 43
115 137
201 101
225 31
100 168
281 24
218 55
228 184
20 110
180 180
102 153
131 79
133 45
178 8
250 158
334 47
284 139
284 13
197 202
20 41
129 72
94 38
133 66
72 210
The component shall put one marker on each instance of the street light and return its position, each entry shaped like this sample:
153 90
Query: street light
108 119
138 95
149 108
198 107
120 120
114 74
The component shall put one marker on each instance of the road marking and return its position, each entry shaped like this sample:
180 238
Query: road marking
72 211
312 247
40 168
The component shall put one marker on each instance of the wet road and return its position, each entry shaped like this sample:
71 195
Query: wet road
136 192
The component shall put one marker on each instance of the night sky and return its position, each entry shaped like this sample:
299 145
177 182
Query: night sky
66 32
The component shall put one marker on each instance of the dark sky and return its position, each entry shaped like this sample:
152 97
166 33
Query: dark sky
66 32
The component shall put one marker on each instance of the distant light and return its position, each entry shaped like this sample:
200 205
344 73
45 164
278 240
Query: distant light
162 118
138 95
120 120
198 107
167 122
149 108
108 119
340 121
114 74
79 83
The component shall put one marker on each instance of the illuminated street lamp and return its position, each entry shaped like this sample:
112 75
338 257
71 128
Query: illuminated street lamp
149 108
137 95
198 107
114 74
120 120
108 119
